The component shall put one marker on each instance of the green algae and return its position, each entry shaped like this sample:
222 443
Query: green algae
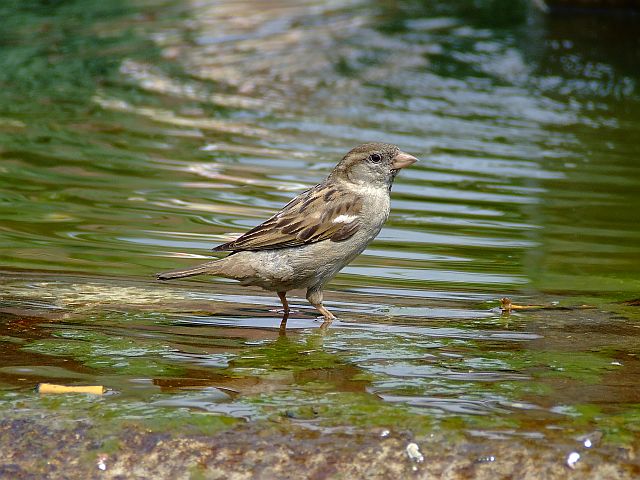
109 353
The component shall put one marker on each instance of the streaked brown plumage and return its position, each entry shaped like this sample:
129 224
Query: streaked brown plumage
296 224
318 232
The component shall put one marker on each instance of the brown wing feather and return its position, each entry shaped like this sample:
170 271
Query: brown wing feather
308 218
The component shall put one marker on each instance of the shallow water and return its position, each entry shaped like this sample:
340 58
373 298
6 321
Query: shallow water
133 138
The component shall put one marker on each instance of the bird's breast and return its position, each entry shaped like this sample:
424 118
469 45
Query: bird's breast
375 211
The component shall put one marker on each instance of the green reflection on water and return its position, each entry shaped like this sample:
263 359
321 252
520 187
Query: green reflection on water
100 351
134 138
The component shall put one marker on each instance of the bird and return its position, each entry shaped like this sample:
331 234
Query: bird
317 233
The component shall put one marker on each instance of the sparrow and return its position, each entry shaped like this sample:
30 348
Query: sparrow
316 234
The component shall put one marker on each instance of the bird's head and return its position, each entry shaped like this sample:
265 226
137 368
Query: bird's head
372 164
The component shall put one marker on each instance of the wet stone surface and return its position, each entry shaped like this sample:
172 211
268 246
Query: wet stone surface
284 450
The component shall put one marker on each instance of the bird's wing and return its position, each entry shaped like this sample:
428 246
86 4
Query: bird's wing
324 212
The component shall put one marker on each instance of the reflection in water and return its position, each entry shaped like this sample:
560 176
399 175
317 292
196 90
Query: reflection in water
129 142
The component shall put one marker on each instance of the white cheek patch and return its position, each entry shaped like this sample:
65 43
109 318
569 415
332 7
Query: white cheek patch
344 219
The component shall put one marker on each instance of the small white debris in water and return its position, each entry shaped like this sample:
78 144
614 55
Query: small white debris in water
413 451
587 443
384 433
102 459
210 147
572 459
616 363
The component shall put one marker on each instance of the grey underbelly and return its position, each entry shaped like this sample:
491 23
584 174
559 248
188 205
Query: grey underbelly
300 267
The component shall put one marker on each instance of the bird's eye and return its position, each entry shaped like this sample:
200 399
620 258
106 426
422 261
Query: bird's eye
375 158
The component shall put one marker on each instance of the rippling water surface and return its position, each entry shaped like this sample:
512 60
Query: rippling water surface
133 138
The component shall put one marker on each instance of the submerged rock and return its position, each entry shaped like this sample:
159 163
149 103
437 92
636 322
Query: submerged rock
73 450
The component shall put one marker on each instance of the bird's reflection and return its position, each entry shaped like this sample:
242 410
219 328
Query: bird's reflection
283 324
282 330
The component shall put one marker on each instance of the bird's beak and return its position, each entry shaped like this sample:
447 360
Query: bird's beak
402 160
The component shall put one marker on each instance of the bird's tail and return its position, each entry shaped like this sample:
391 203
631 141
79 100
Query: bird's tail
209 267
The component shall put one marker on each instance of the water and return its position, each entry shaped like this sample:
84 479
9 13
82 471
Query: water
135 137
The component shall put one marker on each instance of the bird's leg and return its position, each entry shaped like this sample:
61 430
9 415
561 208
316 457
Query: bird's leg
315 299
285 304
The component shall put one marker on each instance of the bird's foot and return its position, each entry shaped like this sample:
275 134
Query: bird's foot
326 314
